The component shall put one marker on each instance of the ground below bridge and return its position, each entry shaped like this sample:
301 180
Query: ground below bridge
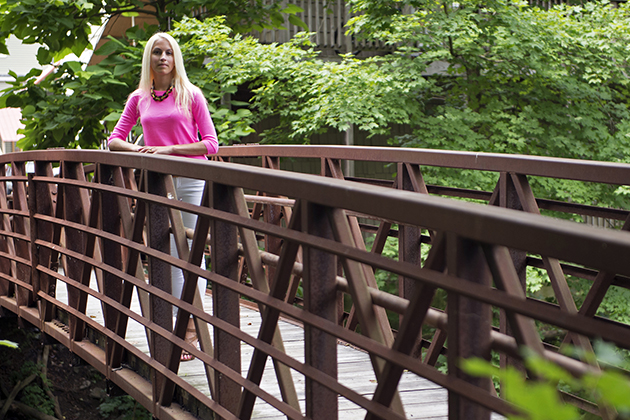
80 389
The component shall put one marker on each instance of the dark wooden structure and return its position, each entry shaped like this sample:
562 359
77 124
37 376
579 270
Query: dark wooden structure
271 233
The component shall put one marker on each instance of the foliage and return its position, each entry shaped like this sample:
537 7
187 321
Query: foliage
63 27
124 408
519 80
309 95
69 108
33 395
386 281
615 305
539 400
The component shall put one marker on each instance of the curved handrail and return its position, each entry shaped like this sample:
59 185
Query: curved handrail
551 167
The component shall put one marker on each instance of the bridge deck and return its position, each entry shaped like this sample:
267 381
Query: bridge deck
422 399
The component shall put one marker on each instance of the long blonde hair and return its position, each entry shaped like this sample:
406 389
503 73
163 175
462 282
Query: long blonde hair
183 88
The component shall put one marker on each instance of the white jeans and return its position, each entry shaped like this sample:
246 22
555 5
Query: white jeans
190 191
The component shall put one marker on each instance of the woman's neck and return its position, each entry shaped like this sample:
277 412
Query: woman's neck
162 83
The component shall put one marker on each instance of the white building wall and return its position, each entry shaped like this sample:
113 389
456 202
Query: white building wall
21 59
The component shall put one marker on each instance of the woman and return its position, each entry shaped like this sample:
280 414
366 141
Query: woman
173 113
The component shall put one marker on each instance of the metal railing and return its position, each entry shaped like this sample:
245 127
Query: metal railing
105 212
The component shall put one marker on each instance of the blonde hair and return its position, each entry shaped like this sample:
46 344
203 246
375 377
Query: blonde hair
183 88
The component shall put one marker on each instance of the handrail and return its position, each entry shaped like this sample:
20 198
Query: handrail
102 222
563 168
414 159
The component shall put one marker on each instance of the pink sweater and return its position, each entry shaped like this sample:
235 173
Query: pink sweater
164 125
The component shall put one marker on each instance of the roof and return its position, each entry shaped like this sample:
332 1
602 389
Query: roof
10 123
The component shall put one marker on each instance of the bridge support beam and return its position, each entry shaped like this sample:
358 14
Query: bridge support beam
225 262
161 312
320 298
469 325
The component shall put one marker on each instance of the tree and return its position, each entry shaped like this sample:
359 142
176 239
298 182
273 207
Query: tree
308 94
63 27
68 109
520 79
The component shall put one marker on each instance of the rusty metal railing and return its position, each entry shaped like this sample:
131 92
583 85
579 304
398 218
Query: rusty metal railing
104 213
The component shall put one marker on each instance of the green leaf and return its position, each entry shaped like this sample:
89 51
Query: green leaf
94 71
123 68
94 96
548 369
478 367
294 20
68 22
292 9
614 387
107 48
28 110
13 101
113 116
243 131
80 46
113 81
43 56
75 66
243 113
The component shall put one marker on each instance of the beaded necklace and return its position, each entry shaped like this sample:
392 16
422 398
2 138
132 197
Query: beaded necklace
162 96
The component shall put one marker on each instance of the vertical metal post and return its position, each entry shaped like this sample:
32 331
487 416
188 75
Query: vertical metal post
161 312
32 205
469 325
75 240
23 297
112 253
6 243
409 237
272 214
320 295
348 140
224 248
509 199
40 202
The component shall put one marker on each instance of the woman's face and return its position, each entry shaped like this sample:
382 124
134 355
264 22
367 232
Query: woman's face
162 61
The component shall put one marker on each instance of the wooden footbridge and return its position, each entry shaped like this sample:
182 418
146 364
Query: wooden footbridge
294 324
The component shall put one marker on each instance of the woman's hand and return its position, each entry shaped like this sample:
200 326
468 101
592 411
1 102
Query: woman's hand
157 150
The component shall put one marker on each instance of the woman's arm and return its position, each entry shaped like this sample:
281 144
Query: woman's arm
127 120
204 123
118 145
190 149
